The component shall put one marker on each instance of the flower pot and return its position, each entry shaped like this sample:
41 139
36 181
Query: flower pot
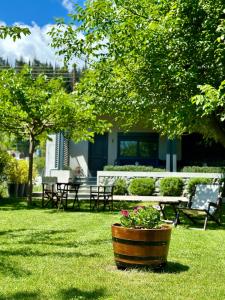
140 247
20 189
25 192
13 190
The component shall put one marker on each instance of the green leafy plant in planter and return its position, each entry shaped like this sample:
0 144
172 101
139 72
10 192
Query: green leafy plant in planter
141 217
12 175
142 186
120 186
171 186
140 239
17 177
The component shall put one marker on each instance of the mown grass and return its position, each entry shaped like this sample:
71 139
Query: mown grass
45 254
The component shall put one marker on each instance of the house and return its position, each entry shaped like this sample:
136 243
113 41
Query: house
136 147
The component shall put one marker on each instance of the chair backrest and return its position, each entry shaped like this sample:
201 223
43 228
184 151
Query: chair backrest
49 180
205 193
49 183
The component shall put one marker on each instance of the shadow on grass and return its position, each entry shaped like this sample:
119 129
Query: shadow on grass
21 203
173 267
199 221
21 296
74 293
28 252
169 268
13 203
9 269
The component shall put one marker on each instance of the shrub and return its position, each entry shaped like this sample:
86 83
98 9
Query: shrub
171 186
5 159
198 169
193 181
142 186
17 171
3 190
133 168
120 186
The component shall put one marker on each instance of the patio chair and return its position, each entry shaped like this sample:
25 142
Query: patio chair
50 193
101 194
206 202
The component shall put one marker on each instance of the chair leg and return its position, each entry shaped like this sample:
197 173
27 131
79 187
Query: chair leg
161 206
177 219
205 223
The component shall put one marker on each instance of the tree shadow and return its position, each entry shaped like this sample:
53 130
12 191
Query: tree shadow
74 293
22 296
26 252
12 203
10 269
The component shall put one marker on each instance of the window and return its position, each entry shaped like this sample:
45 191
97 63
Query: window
128 148
138 146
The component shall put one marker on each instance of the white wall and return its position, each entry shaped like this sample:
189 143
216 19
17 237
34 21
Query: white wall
50 155
79 156
112 147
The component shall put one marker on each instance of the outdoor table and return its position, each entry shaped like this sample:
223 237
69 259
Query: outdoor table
173 202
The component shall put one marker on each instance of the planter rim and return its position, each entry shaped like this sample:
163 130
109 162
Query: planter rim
164 227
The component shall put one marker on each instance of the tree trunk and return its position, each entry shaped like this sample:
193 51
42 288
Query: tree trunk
30 170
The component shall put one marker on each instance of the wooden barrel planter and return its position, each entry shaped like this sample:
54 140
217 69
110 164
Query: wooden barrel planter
140 247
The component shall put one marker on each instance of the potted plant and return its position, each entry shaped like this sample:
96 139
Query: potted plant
12 174
17 177
140 240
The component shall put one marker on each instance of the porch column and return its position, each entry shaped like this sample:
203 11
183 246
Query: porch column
171 155
59 157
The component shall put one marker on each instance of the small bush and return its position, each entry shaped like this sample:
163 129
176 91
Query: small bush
133 168
142 186
193 181
3 190
120 186
198 169
171 186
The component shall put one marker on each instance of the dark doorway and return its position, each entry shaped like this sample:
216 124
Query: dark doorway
98 154
196 151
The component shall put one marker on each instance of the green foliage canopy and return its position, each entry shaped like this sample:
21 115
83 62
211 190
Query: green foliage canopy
37 106
33 107
147 59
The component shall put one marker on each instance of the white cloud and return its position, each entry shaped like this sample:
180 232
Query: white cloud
68 5
36 45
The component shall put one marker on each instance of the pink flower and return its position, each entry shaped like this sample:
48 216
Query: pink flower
125 213
137 208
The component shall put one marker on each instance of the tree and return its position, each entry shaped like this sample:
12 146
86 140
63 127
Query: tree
32 108
147 58
14 32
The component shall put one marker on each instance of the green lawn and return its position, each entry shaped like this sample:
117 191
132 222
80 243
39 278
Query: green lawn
47 254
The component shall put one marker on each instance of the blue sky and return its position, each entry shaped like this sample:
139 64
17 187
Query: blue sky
39 16
27 11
